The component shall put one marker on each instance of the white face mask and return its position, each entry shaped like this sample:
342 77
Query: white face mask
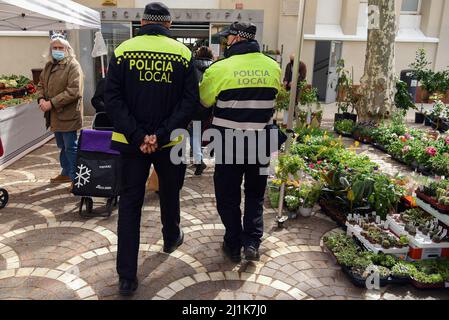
58 55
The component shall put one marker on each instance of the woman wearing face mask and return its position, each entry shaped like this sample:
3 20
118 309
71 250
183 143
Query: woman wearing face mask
60 92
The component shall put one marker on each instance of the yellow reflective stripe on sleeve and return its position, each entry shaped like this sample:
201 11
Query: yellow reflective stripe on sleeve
120 137
173 143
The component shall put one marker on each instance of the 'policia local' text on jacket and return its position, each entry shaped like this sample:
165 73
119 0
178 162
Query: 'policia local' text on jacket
244 88
151 88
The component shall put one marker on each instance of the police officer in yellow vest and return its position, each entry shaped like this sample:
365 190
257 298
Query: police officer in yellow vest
151 90
243 87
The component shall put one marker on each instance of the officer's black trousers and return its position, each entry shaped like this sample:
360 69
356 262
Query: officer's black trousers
135 174
228 180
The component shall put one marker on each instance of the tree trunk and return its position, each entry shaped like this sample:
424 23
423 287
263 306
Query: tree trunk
378 84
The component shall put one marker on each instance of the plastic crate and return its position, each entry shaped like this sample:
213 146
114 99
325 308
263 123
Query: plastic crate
419 253
421 246
444 218
356 231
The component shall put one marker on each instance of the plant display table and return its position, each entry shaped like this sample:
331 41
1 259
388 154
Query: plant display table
22 130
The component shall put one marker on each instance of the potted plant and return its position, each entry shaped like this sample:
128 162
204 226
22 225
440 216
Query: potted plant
282 103
363 132
346 94
440 164
403 99
308 194
402 271
423 280
344 127
420 116
434 84
292 203
274 193
439 108
289 167
309 112
385 196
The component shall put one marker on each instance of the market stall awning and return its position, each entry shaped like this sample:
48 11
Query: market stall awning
45 15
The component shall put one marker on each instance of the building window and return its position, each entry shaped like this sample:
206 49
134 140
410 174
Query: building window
411 7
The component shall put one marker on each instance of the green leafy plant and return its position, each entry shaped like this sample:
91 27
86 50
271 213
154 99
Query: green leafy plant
416 215
403 269
289 166
403 99
309 193
440 164
274 193
282 100
308 95
14 81
347 93
432 82
422 277
385 196
344 126
439 108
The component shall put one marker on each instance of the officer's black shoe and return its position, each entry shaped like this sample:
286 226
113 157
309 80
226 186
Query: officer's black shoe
169 248
231 253
128 287
200 168
251 253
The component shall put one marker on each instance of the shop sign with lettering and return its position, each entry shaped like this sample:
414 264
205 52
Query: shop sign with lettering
194 15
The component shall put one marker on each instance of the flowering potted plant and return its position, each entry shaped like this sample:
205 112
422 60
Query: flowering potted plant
282 102
309 111
292 203
308 194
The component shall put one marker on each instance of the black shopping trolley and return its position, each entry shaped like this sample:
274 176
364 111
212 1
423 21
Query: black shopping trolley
98 167
4 196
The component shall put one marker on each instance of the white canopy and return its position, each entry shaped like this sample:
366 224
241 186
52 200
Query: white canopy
45 15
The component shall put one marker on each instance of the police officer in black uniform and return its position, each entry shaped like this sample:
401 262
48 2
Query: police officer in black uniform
151 90
243 87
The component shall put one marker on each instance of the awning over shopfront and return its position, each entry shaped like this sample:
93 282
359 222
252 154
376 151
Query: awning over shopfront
45 15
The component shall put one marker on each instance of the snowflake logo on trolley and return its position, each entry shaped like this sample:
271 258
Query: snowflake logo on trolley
82 176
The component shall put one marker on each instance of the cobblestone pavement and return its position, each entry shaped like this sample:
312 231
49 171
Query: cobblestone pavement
47 251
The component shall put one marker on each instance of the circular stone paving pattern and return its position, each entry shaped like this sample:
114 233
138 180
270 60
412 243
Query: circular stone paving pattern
47 251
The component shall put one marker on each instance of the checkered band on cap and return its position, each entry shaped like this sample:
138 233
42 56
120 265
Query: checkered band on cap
158 18
56 36
247 35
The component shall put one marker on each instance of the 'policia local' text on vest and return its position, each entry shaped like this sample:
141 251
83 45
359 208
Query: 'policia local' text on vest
244 88
151 70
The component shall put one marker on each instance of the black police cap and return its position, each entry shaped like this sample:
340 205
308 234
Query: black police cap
157 12
245 30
